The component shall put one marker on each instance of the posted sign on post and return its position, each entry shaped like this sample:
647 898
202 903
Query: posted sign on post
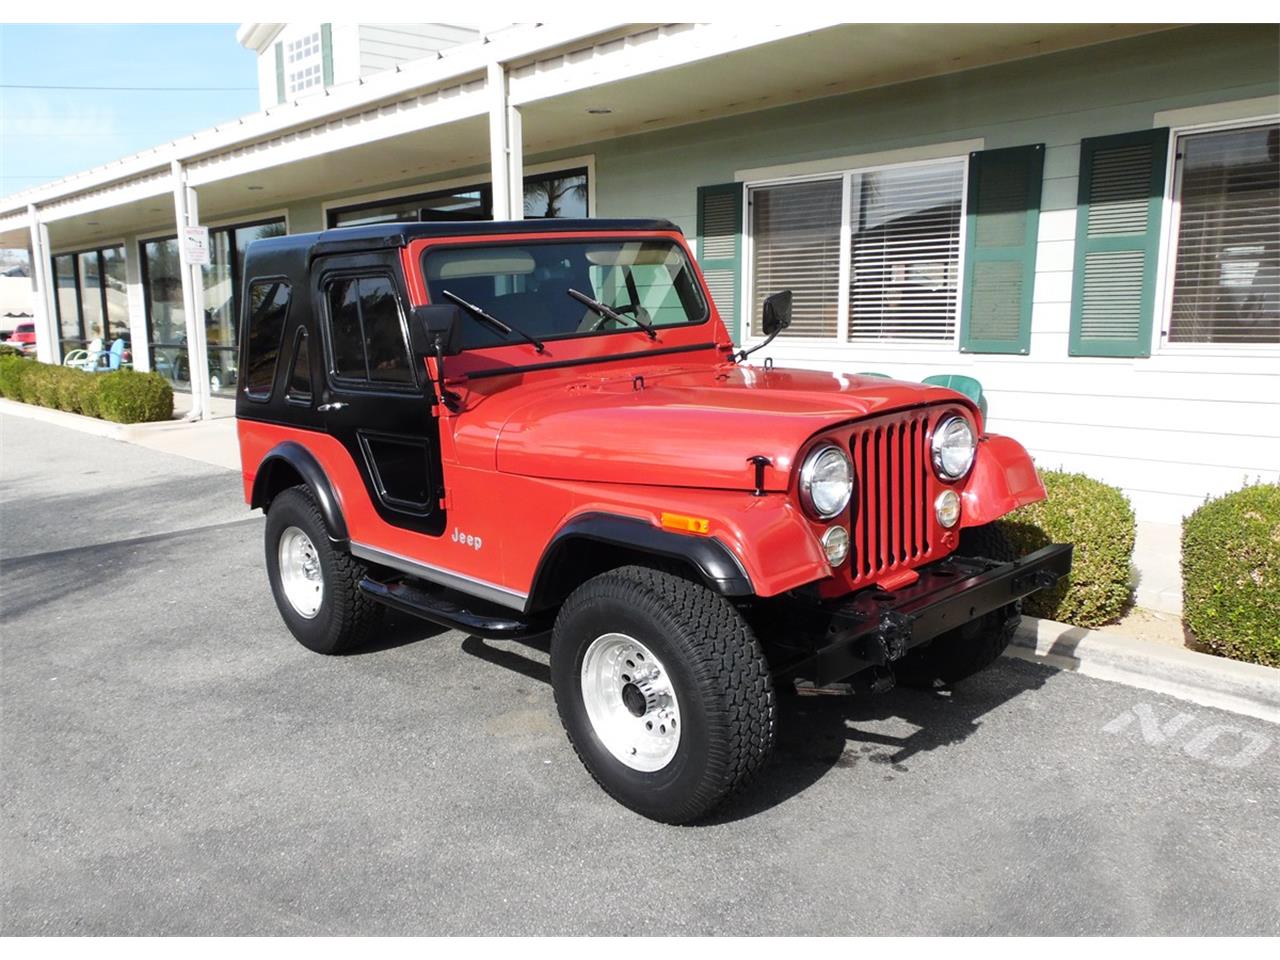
195 246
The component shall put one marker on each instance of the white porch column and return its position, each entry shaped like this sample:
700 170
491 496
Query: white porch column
187 214
48 347
499 127
515 163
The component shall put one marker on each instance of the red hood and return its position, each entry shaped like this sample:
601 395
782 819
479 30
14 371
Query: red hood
692 427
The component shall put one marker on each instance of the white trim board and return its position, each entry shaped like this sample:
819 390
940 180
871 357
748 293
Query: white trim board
929 151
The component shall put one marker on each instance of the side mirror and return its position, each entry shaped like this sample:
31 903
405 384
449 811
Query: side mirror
437 330
777 313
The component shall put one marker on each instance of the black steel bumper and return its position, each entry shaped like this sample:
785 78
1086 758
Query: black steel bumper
874 628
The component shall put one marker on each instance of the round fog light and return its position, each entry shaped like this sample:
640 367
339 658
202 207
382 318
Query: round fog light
947 507
836 544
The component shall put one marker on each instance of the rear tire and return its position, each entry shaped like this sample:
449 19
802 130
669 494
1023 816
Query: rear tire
635 649
316 585
974 646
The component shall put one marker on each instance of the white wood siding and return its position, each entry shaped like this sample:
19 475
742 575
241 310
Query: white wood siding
383 45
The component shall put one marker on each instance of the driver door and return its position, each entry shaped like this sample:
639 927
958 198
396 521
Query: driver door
374 399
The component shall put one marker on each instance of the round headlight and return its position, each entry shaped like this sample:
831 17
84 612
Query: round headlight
947 508
835 544
953 448
826 482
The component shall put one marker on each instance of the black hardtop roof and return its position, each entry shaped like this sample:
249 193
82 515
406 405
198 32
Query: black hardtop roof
383 235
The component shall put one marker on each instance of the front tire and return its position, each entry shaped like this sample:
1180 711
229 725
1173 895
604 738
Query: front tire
663 690
973 646
315 584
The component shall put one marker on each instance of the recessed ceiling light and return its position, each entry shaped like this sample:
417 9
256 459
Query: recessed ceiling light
599 111
255 188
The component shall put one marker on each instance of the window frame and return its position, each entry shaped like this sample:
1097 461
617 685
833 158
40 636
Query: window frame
846 173
244 387
1171 222
366 385
406 193
75 255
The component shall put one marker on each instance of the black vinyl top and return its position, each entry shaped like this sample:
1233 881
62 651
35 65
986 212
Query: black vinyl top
383 235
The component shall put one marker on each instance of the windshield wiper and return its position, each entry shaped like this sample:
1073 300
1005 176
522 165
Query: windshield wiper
492 321
611 314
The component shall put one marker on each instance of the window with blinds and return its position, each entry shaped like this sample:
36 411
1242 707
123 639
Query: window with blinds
902 256
905 252
795 245
1226 273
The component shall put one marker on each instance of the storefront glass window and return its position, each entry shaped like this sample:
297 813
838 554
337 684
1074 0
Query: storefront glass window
91 295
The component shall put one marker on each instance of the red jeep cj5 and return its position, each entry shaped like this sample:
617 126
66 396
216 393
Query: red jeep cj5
515 428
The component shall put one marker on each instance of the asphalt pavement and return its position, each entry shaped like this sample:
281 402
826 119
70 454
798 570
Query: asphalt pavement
172 762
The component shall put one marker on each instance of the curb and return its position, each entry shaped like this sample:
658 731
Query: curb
72 421
1244 688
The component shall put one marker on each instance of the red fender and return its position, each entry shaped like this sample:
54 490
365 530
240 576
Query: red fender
1004 478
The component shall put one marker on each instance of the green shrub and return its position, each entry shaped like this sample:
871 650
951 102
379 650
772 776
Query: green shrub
1098 519
123 396
13 375
127 396
9 350
1231 574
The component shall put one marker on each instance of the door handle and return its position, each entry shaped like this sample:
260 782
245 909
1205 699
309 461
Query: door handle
326 407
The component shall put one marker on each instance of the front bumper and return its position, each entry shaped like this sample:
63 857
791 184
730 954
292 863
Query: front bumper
874 628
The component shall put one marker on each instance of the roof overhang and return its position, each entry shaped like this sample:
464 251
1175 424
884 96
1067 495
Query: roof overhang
257 36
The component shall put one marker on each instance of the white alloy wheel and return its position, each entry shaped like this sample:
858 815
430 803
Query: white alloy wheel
631 702
300 573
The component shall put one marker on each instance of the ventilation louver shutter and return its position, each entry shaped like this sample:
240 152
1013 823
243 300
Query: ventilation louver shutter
1117 243
1003 220
720 248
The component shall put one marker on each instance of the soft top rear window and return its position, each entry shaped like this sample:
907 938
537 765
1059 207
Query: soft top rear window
527 285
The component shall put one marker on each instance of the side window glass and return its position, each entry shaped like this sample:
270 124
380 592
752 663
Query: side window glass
344 321
268 308
368 339
383 337
300 377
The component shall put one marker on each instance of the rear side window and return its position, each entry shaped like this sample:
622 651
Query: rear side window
268 309
367 335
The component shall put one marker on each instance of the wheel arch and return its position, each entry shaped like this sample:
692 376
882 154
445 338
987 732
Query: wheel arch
592 543
286 465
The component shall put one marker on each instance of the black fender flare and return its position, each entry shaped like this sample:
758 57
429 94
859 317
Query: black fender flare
308 467
715 562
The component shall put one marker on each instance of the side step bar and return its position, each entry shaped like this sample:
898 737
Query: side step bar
437 605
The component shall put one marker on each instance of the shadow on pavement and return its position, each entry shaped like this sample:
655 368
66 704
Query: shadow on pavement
875 732
817 733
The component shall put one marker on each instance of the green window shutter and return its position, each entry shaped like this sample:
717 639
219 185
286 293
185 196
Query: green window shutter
279 73
720 248
1117 243
1002 223
326 52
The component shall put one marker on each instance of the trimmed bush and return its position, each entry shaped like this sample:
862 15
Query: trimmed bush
1231 574
13 375
9 350
1098 519
127 396
123 396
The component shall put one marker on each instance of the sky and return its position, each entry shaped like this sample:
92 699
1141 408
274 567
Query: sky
46 134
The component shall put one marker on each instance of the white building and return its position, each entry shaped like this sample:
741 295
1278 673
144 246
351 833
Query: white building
1084 217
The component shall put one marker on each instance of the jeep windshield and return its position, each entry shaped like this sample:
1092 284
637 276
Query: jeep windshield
542 288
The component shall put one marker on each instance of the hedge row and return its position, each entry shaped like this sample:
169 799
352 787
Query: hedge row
123 396
1231 574
1098 519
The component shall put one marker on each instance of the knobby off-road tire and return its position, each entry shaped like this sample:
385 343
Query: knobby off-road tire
974 646
344 618
696 662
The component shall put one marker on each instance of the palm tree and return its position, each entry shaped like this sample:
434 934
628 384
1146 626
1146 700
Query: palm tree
547 194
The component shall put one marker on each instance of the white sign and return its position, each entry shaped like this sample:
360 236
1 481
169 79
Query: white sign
195 246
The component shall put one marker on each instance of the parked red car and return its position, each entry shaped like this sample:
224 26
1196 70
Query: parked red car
23 336
510 428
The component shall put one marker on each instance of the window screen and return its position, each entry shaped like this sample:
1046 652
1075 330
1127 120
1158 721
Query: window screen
268 308
368 338
1226 277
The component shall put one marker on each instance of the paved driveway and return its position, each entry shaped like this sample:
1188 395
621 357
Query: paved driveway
173 762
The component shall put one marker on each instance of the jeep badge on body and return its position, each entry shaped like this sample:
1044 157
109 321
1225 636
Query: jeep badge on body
515 428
